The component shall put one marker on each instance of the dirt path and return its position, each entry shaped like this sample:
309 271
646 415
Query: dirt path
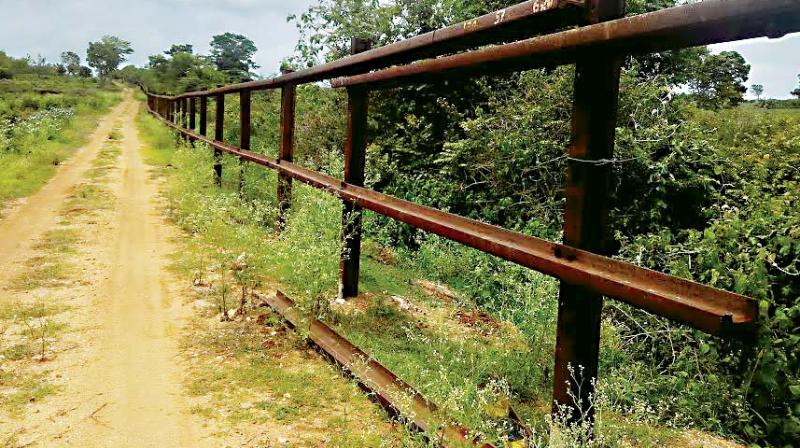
138 373
122 384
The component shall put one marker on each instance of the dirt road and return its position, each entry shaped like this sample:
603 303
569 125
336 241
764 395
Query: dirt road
121 386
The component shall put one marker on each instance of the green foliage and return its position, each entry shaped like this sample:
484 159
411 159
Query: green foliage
107 54
718 80
708 195
10 67
758 90
42 120
71 62
232 54
183 71
179 48
750 246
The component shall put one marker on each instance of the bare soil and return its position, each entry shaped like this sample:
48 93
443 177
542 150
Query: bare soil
117 368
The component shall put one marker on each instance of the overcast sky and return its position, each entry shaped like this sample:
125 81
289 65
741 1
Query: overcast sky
48 27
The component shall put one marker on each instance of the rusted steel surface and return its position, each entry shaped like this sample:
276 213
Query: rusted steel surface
514 22
192 113
288 106
244 131
185 112
709 309
586 274
219 136
594 119
707 22
355 159
203 116
244 119
388 389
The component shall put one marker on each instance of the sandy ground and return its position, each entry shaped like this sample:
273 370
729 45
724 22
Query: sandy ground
120 374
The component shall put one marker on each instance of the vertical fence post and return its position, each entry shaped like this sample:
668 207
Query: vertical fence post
244 138
219 135
171 111
355 152
185 110
185 123
585 222
288 103
179 118
203 116
192 113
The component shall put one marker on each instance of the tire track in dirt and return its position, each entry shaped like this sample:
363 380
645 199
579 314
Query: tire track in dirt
134 366
122 385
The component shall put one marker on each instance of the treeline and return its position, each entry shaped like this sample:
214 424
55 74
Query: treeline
180 69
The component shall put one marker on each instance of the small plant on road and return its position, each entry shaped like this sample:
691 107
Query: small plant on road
245 278
39 329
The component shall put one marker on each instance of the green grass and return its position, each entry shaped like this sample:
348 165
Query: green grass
464 368
160 145
31 329
21 385
36 157
271 380
27 389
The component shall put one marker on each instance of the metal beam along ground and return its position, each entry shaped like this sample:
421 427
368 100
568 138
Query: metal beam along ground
397 396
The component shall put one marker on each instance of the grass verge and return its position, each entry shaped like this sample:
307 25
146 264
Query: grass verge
471 352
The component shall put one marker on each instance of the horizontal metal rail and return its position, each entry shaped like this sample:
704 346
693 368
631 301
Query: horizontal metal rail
709 309
390 391
501 26
597 50
704 23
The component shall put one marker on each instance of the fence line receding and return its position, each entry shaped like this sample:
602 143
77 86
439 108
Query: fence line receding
510 40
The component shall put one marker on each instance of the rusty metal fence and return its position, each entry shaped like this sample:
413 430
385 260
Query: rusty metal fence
595 36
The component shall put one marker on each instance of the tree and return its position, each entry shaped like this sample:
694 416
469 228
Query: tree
85 72
179 48
233 55
718 80
796 92
107 54
757 90
72 62
180 72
